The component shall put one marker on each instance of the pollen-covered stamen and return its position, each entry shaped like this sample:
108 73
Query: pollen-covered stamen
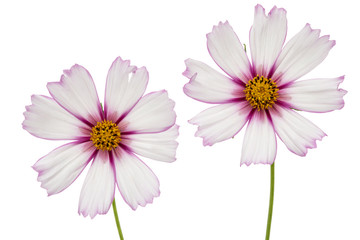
261 92
105 135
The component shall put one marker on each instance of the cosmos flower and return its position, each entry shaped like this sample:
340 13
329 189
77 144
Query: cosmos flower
265 91
130 123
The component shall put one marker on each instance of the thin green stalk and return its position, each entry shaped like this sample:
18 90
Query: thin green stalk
271 202
117 220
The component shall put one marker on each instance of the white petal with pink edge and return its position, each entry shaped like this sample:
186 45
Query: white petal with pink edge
122 90
137 184
98 189
208 85
301 54
314 95
296 132
267 37
47 119
158 146
76 93
221 122
59 169
225 48
259 144
153 113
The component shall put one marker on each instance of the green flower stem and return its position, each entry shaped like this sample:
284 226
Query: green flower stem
117 220
271 202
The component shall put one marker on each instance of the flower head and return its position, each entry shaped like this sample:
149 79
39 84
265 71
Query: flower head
130 123
265 91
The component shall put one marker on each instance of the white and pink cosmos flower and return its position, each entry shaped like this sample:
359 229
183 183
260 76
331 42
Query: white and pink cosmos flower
265 91
109 138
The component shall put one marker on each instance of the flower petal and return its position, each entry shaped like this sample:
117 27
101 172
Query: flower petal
225 48
208 85
221 122
76 93
267 37
153 113
259 144
301 54
158 146
47 119
121 94
137 184
315 95
296 132
59 169
98 189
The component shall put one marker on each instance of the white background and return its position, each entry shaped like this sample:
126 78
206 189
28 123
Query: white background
205 194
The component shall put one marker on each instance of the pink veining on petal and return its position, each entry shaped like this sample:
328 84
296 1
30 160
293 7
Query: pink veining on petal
208 85
125 86
153 113
259 145
221 122
295 131
228 53
137 183
158 146
46 119
314 95
98 190
301 54
267 36
76 93
62 166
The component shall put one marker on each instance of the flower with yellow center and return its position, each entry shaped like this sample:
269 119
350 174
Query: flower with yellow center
264 91
261 92
105 135
111 138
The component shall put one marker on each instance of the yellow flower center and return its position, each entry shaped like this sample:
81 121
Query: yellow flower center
261 92
105 135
